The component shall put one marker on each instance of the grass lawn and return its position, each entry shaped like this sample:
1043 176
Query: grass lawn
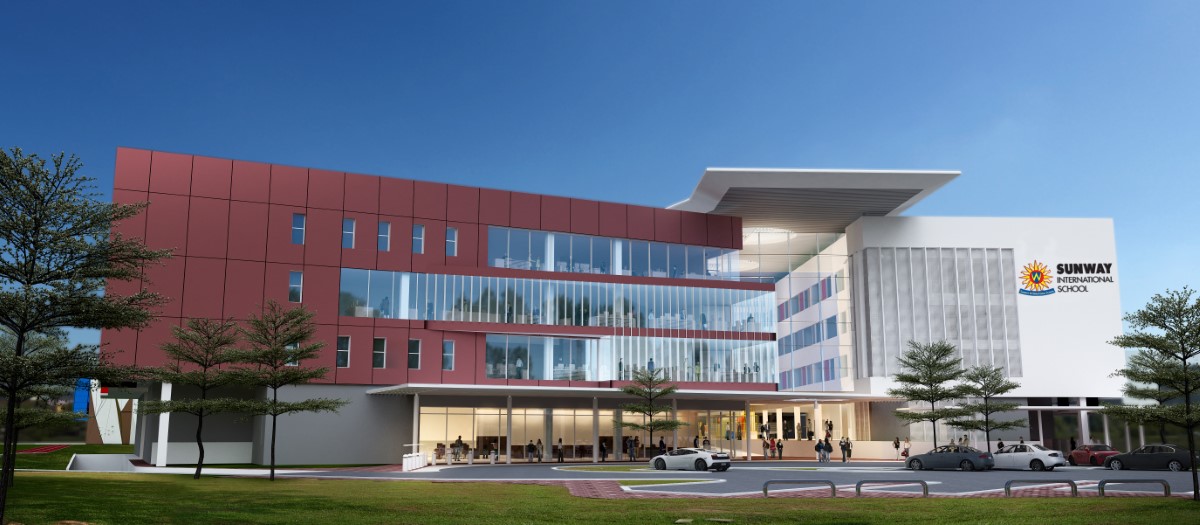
44 497
58 459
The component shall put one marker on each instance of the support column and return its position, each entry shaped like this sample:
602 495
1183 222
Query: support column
746 432
1084 429
1107 439
779 423
618 435
764 422
1128 439
416 434
164 426
675 415
595 430
508 433
817 421
796 422
547 451
1141 436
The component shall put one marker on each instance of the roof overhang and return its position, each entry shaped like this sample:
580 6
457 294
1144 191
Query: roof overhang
810 200
588 392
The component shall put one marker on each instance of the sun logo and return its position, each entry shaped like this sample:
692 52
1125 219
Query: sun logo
1036 279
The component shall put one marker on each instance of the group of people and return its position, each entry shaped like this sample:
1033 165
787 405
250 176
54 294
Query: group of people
772 448
824 448
896 445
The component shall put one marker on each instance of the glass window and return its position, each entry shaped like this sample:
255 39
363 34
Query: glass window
451 242
347 233
418 238
343 351
518 250
695 262
601 255
295 286
498 247
447 355
414 354
562 251
658 259
352 297
298 228
385 236
537 251
581 254
495 361
639 252
379 353
676 260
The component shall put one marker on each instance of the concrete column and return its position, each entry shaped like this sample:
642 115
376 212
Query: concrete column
763 422
1107 439
164 426
796 422
1128 440
548 449
675 415
1084 429
508 433
747 431
416 435
618 435
595 430
817 421
1141 436
779 423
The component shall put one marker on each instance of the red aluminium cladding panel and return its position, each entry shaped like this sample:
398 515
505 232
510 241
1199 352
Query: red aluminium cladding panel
134 226
462 204
641 223
325 189
737 232
526 211
243 289
366 241
396 197
667 225
494 207
720 231
289 185
208 227
398 257
694 228
434 256
556 213
211 177
466 349
359 370
151 339
467 245
251 181
120 346
166 222
322 236
203 288
362 193
430 370
321 292
279 235
585 217
613 218
170 173
429 200
248 236
395 363
327 356
132 170
167 280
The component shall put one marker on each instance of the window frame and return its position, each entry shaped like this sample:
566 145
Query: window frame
418 238
299 287
340 350
385 236
451 241
301 229
353 228
448 344
377 354
412 354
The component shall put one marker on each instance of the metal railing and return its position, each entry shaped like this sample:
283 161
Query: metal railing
1163 482
1008 485
832 487
924 486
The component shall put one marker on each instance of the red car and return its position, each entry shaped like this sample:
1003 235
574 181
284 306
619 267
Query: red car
1091 454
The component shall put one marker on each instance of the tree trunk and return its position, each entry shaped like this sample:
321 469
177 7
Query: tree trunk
932 407
199 444
274 419
1190 427
10 449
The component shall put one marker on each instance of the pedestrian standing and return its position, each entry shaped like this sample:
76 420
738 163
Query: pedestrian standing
696 442
779 448
530 451
842 447
896 445
820 446
849 449
603 452
662 447
541 451
766 448
560 450
828 450
907 446
637 445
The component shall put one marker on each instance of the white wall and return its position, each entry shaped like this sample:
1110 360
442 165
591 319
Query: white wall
1064 336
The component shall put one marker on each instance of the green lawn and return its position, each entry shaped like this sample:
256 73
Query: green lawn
58 460
45 497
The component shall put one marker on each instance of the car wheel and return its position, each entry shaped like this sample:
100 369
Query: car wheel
701 465
1092 461
915 464
966 466
1115 464
1037 465
1071 460
723 468
660 464
1175 466
1050 468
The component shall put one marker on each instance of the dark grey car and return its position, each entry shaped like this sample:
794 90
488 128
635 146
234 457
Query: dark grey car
1151 457
953 456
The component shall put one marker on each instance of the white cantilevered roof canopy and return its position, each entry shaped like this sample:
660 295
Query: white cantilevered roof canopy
809 200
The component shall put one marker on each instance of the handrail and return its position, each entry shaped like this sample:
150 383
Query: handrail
832 487
924 485
1163 482
1008 485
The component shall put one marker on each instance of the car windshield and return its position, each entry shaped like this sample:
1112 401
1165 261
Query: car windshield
1039 447
1101 448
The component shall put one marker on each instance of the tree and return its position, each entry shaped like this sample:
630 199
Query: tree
57 253
927 368
279 343
1166 335
199 353
986 383
650 387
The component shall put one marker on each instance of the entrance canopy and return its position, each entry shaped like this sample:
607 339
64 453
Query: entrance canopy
551 393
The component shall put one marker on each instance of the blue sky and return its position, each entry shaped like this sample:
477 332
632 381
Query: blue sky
1058 109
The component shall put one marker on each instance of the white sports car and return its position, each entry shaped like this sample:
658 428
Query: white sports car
691 459
1031 456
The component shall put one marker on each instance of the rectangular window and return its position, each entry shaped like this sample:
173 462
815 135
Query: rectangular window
451 242
343 351
418 238
379 353
298 228
447 355
292 347
414 354
347 233
295 286
385 236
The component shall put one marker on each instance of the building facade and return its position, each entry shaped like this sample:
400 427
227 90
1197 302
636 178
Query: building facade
775 299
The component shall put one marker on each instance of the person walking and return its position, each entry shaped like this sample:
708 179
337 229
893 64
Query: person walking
819 448
696 442
560 450
842 447
907 445
603 452
541 451
896 445
828 450
773 450
766 448
849 449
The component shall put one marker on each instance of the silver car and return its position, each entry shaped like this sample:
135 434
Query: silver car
1031 456
691 459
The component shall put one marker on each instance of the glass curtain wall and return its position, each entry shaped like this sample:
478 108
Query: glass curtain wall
483 432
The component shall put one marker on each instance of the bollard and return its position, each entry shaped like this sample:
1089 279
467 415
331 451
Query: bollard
1166 486
924 485
1008 485
832 487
